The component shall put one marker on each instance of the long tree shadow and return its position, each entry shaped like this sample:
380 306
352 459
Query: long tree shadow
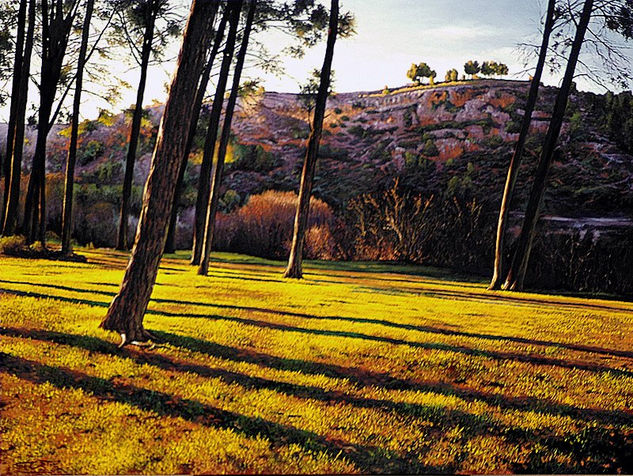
610 446
361 378
404 326
495 355
382 322
361 320
365 458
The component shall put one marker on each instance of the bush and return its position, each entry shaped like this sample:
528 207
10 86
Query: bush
397 224
13 245
264 226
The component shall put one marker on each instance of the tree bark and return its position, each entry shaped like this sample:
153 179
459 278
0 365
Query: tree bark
15 99
13 187
135 130
204 182
170 245
516 275
515 162
125 315
218 166
294 269
74 129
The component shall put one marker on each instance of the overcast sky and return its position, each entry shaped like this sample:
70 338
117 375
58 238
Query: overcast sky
391 34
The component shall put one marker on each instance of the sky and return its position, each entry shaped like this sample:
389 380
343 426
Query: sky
391 34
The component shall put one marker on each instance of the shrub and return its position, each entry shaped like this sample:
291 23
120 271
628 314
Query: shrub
13 245
89 152
430 149
264 226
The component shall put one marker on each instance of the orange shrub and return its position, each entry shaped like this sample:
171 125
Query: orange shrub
263 227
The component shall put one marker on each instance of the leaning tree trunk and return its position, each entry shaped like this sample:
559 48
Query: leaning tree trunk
515 162
125 315
516 275
218 166
128 180
170 245
15 99
67 216
294 269
211 137
13 188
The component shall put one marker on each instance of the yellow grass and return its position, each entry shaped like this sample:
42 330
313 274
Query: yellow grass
358 368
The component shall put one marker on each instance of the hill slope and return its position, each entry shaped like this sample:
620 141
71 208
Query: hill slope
432 136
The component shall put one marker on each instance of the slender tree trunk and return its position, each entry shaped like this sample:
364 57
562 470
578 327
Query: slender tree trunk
33 200
516 275
515 162
218 166
170 246
56 29
128 181
15 99
13 187
125 315
212 133
294 269
67 216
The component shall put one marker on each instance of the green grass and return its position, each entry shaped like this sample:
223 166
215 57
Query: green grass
361 367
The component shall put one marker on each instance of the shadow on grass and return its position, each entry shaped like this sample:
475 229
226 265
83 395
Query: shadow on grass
460 349
604 449
359 377
364 457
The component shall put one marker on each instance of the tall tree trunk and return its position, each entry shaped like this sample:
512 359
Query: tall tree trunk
515 162
67 215
516 275
13 187
125 315
294 269
170 245
15 99
146 51
56 27
204 182
218 166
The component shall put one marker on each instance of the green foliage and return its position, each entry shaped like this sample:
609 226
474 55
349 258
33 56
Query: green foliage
230 201
422 70
89 152
492 141
452 75
430 149
492 68
12 245
472 68
407 117
252 158
513 127
614 116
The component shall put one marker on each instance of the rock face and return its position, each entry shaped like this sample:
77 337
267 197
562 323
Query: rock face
465 132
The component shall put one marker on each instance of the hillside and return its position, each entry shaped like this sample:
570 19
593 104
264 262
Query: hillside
433 137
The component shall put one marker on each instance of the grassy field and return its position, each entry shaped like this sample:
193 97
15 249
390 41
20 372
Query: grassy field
358 368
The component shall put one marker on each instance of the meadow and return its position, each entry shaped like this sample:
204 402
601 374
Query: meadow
359 368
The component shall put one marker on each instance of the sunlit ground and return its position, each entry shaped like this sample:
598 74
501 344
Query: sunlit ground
358 368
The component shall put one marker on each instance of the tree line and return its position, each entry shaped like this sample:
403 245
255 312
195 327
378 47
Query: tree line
417 72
